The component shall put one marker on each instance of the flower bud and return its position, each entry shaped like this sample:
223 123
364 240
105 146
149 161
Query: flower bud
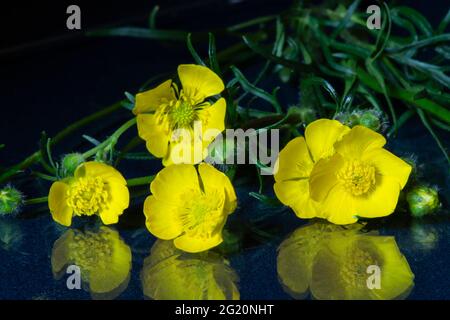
11 200
422 200
306 114
70 163
370 119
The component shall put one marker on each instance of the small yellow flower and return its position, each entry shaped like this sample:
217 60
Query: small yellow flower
296 161
103 258
165 111
95 188
333 262
360 180
190 206
171 274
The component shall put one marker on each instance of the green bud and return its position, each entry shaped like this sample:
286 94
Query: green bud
422 200
370 119
70 163
305 114
11 200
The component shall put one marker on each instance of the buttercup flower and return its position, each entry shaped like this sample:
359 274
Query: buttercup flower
103 258
95 188
190 206
360 180
175 121
336 262
296 161
171 274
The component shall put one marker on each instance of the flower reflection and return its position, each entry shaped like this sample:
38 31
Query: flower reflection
333 262
103 258
171 274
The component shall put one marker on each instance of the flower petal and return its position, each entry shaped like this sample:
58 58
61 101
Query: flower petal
199 82
359 141
295 194
118 202
57 202
172 181
98 169
150 100
294 161
387 164
162 218
381 201
321 135
323 176
213 179
339 206
213 118
194 244
157 140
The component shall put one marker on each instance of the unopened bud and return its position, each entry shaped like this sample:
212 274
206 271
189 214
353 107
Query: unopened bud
422 201
11 200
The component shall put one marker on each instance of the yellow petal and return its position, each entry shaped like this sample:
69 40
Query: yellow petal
118 201
389 165
339 206
321 135
213 118
173 181
98 169
295 194
358 141
323 176
197 244
57 202
213 179
381 201
107 278
150 100
294 161
199 82
157 140
60 252
162 218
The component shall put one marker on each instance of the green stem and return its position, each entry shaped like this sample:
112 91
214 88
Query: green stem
140 181
36 201
35 157
111 140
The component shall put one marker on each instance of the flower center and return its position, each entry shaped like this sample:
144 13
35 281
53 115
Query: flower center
87 195
354 268
90 251
182 114
357 177
202 213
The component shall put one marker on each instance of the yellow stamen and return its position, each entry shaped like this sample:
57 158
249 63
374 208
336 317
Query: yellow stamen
357 177
88 195
202 213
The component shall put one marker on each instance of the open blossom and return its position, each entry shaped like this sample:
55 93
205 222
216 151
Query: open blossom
190 206
361 179
179 124
95 189
296 161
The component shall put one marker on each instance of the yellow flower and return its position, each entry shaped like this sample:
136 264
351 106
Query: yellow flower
360 180
103 258
165 114
171 274
189 206
296 161
95 188
333 262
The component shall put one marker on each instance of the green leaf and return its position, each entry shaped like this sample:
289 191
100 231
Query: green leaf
92 140
433 134
431 41
213 55
325 85
383 37
141 33
347 19
193 52
416 18
444 23
269 201
258 92
152 17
